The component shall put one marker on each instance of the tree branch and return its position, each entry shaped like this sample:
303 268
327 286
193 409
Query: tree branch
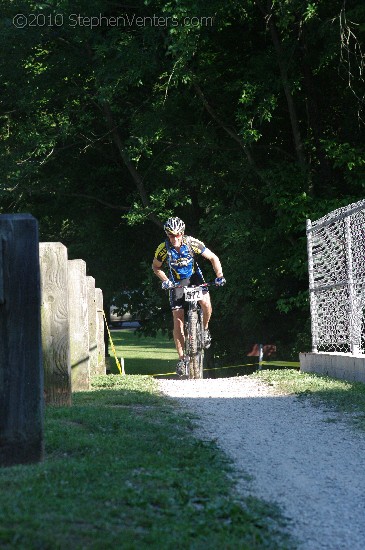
96 199
82 195
230 132
226 128
299 148
125 157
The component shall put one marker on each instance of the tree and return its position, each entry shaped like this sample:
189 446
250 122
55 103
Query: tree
242 118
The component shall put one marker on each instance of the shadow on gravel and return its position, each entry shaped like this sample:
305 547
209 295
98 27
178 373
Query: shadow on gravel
289 452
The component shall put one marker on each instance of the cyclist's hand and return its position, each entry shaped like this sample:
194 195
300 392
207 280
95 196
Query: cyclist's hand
220 281
167 284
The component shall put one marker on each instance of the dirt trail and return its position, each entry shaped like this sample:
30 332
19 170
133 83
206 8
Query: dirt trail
307 459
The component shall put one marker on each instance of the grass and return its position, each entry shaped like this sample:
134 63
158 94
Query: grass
143 354
148 355
122 470
153 356
343 396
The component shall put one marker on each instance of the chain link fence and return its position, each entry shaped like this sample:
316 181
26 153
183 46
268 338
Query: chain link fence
336 263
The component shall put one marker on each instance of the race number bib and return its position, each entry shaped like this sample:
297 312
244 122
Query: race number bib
193 294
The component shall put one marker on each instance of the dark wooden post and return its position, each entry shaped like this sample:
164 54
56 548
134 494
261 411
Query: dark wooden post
21 371
55 324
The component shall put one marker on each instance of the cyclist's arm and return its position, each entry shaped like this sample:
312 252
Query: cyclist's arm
156 266
214 260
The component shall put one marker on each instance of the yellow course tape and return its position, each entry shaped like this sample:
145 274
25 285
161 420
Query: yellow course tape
281 363
112 346
273 363
215 368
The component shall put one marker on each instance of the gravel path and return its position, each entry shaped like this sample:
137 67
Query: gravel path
306 459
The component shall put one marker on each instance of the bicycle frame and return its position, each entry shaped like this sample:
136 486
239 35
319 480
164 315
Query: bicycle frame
194 330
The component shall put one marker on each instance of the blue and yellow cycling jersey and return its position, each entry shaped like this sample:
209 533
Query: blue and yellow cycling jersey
181 263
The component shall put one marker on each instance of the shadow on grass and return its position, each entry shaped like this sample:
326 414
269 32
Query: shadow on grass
136 366
342 395
347 397
134 339
142 355
122 468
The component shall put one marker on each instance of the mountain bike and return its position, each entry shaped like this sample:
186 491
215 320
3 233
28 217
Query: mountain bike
194 329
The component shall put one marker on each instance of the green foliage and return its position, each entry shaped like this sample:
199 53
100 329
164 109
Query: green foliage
242 122
122 469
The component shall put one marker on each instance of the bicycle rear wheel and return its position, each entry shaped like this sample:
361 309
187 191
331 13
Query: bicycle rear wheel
194 340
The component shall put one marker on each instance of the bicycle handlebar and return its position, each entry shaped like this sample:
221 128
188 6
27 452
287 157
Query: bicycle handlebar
178 285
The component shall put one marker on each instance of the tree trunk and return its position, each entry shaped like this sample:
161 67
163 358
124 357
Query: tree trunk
126 160
314 115
298 144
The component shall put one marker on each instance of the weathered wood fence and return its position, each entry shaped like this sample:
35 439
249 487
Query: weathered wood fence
72 325
51 334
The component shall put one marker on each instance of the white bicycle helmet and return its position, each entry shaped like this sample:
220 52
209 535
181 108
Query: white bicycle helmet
174 226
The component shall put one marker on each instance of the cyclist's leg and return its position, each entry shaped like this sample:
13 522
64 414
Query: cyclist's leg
177 307
206 306
178 317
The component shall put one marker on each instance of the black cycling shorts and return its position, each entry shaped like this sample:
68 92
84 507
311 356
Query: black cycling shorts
177 300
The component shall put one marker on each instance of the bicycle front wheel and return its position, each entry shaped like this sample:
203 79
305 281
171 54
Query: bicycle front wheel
195 344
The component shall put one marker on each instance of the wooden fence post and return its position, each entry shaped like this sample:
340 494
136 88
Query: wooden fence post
93 347
101 368
55 324
21 370
79 325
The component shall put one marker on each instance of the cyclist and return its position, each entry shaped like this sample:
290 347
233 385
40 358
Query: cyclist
180 250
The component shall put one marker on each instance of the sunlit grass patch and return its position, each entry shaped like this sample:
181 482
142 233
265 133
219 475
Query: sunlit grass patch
143 354
342 395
